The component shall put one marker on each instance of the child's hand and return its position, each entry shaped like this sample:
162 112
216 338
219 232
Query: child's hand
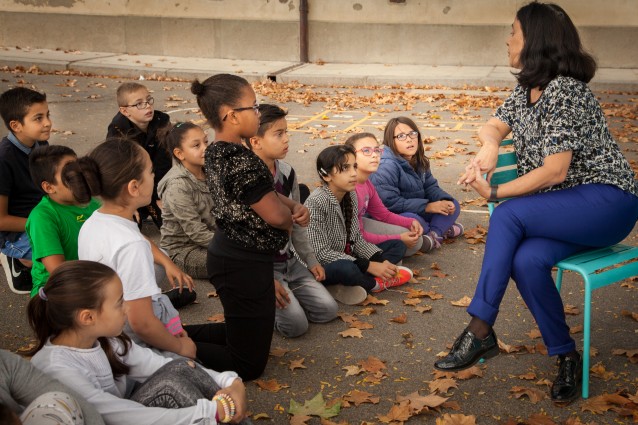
440 207
410 238
300 215
318 272
175 273
385 270
237 391
281 296
416 228
187 347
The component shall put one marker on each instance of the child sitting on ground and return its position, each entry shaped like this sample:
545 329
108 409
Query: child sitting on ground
137 120
334 234
25 112
300 296
78 317
188 222
121 173
407 187
378 225
54 224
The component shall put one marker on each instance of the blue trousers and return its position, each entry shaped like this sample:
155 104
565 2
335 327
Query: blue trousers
529 235
439 223
346 272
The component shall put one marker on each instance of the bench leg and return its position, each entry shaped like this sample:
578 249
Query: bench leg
586 340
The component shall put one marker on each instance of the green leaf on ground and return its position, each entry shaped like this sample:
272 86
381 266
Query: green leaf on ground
315 407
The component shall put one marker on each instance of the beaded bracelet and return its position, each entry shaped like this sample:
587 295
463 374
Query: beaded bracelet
228 404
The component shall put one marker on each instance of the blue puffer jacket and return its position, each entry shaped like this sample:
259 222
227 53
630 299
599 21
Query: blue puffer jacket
402 189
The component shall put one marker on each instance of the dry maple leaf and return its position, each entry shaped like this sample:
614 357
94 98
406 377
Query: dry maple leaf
423 308
352 333
372 364
260 416
576 329
212 294
439 274
374 300
435 266
540 419
361 325
217 318
352 370
412 301
603 403
506 348
420 404
599 371
463 302
271 385
473 372
299 419
631 354
401 319
278 352
456 419
571 309
534 395
347 317
534 333
628 313
416 293
367 311
324 421
433 295
358 397
442 385
398 414
529 376
297 364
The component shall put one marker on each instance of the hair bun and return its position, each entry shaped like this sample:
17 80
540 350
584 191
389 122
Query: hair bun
197 88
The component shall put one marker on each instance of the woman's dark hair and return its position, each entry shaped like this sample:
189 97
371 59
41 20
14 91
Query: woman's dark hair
552 47
356 137
44 161
332 160
216 91
170 136
419 161
73 286
105 171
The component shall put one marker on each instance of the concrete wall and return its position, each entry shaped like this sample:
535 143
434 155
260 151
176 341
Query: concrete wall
436 32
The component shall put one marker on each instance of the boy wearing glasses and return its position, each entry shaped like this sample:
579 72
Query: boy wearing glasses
137 120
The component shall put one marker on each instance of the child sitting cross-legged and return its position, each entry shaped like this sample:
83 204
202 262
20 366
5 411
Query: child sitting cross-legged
54 224
334 234
300 296
78 318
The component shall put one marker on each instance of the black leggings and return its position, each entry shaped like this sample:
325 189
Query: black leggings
247 293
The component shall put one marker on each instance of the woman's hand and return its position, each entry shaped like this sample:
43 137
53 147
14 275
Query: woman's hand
478 183
486 159
385 270
237 391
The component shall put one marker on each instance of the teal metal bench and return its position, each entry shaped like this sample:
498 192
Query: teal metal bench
598 267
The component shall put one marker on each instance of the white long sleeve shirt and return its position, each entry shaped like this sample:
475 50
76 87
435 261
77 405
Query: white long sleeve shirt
87 371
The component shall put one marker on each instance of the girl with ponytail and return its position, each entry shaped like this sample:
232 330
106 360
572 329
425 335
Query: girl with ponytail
78 318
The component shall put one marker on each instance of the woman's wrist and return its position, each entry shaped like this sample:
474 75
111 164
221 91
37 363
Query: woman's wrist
493 193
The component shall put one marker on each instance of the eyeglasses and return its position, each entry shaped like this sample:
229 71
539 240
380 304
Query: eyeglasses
143 104
255 108
368 151
403 136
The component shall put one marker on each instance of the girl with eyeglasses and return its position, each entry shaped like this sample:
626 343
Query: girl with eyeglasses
407 187
379 225
253 224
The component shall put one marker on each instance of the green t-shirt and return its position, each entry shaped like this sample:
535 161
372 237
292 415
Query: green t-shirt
53 229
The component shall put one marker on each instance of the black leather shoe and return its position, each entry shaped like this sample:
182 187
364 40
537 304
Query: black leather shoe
566 386
467 350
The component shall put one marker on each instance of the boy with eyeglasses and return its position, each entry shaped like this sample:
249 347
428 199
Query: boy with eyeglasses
137 120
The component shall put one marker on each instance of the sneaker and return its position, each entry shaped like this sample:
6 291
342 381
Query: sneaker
428 244
18 275
436 239
454 232
182 299
349 295
402 277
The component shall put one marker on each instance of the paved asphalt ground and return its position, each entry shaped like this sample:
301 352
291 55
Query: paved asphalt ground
81 108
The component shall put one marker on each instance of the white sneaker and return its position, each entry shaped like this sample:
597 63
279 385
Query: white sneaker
349 295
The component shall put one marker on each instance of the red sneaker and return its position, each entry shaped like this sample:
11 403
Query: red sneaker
402 277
